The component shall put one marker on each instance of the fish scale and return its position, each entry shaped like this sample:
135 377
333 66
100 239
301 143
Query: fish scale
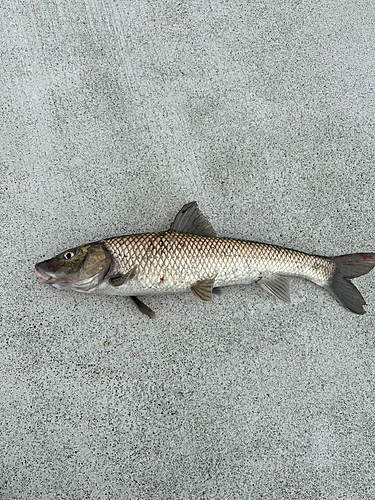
182 259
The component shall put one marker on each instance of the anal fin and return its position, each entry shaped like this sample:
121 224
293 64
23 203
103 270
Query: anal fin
278 286
142 307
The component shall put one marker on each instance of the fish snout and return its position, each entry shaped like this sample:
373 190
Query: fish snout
44 277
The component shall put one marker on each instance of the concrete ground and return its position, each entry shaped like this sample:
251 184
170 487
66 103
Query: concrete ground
115 114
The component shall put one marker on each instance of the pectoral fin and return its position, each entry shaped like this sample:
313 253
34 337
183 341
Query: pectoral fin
121 278
278 286
142 307
203 289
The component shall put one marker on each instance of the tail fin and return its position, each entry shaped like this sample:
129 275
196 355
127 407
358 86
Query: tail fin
346 268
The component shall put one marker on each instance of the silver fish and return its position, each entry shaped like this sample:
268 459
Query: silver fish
189 256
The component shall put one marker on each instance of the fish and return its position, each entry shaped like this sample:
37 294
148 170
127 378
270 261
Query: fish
190 257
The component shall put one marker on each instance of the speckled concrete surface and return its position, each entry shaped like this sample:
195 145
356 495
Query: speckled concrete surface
115 114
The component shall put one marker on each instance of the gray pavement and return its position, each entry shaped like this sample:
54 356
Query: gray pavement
115 114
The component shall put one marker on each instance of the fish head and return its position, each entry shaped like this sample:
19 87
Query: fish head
81 268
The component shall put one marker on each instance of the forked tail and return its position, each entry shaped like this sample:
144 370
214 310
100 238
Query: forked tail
348 267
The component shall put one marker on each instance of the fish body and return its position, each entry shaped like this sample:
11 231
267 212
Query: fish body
168 262
189 256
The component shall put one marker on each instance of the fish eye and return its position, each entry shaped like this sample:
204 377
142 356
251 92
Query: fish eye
69 254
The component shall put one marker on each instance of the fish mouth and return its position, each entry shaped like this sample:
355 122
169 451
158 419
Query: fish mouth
44 277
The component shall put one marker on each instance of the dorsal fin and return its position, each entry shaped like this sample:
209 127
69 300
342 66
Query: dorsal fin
190 220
